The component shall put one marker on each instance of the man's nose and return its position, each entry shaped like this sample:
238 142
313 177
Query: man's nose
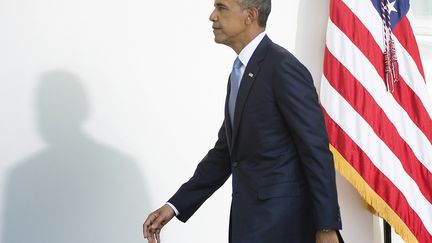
212 16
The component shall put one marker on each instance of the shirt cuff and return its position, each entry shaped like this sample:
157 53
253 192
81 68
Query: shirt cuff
173 208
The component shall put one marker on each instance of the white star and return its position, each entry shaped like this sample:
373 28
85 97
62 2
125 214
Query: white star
391 7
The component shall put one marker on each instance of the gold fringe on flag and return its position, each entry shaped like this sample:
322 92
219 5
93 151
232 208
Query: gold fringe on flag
378 205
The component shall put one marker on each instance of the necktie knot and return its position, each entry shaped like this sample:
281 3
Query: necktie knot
237 64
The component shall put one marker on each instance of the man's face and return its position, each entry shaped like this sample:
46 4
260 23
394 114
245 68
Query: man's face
229 22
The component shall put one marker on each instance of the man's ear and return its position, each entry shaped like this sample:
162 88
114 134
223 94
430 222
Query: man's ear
252 15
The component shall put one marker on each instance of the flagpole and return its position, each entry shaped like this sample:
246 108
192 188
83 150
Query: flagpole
387 232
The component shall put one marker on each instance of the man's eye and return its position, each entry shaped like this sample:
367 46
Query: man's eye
221 7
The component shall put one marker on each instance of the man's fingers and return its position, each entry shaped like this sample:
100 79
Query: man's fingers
152 227
327 237
155 221
158 236
151 239
156 225
154 235
148 223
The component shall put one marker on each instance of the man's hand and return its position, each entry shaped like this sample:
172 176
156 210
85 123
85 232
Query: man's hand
155 221
326 237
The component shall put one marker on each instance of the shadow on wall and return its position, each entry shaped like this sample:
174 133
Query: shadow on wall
76 190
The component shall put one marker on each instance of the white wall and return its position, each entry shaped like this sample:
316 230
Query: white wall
107 106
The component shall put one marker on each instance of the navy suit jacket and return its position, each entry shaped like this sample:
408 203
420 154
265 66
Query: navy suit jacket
277 151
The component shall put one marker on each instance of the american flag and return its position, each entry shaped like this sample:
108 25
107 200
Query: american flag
379 125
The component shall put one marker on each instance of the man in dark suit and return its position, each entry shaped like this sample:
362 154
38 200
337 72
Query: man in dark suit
273 142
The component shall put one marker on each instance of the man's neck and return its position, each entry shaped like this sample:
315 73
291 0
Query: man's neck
238 47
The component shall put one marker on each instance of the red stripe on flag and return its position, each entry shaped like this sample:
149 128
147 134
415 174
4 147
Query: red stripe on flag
376 180
354 29
405 35
356 95
414 107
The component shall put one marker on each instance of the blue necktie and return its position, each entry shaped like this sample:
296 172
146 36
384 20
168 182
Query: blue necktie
235 83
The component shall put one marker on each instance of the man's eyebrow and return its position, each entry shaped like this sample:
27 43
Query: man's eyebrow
219 5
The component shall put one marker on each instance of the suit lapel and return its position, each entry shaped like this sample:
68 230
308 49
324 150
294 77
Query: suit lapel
249 76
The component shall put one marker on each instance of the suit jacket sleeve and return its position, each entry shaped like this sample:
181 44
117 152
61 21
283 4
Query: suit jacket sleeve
298 103
210 174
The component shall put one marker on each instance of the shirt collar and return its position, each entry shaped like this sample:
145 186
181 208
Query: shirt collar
246 54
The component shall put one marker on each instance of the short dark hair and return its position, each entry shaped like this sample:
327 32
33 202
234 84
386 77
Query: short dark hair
264 8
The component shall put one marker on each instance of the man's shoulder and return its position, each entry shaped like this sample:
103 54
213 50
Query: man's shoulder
275 51
278 54
278 49
279 58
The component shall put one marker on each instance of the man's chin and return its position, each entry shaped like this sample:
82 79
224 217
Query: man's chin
218 40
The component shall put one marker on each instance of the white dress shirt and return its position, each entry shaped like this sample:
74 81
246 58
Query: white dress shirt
247 52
